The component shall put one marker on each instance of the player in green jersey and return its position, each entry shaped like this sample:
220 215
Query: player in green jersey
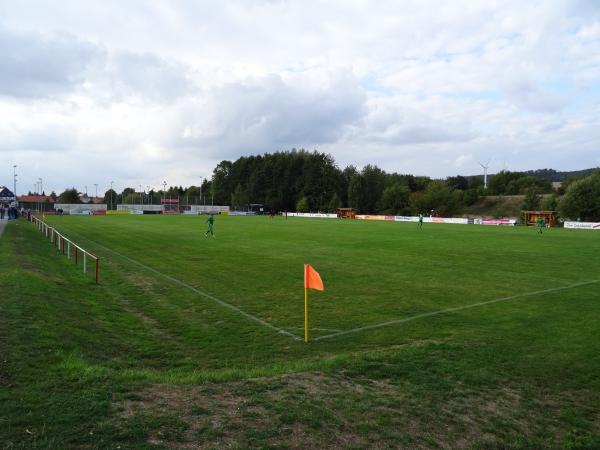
539 223
420 224
210 221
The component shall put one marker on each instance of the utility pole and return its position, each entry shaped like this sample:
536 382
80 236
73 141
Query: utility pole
41 191
15 182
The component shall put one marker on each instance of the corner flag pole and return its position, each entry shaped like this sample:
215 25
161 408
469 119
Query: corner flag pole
305 314
305 304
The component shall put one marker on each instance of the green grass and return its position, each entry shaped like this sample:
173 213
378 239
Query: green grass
151 358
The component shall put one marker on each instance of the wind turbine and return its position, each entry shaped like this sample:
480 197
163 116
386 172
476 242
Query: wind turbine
485 169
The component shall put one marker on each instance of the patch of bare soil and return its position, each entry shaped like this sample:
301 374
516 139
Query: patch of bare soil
315 410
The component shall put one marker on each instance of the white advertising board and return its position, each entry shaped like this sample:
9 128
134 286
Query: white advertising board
583 225
317 215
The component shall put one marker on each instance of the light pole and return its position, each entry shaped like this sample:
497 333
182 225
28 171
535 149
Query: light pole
148 187
15 182
200 189
111 195
141 196
164 190
41 191
96 184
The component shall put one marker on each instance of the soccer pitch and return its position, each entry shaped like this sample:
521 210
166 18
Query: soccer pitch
449 336
385 283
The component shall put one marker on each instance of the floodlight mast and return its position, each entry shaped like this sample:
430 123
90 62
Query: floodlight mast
15 182
41 193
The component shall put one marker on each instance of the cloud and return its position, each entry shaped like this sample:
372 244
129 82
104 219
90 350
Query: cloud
145 77
155 90
40 65
271 113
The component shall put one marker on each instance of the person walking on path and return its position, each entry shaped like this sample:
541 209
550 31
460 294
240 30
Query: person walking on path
210 223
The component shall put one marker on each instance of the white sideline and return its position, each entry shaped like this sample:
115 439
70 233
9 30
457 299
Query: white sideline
197 291
458 308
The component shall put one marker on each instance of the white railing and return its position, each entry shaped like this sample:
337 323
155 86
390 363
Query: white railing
67 247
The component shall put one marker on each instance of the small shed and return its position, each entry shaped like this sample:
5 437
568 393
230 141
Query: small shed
530 217
346 213
6 196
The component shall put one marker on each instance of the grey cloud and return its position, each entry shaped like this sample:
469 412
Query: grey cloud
419 134
270 114
147 76
35 65
529 96
395 125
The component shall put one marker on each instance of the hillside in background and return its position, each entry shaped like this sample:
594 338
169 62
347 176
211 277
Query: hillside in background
498 206
553 175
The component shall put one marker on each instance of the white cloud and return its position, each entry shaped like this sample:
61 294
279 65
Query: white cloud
143 91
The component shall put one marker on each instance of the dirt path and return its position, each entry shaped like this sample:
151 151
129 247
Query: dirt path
2 225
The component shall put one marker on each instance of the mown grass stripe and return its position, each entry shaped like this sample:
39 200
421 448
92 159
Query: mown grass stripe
198 291
449 310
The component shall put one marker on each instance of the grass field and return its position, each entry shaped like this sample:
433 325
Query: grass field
445 337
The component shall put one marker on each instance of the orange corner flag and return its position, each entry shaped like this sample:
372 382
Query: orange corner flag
312 279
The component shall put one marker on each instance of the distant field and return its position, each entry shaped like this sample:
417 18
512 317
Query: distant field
448 336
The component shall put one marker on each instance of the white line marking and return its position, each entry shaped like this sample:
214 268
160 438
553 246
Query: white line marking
198 291
315 329
444 311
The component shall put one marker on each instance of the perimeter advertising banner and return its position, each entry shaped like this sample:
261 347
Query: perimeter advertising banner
405 219
583 225
454 220
373 217
318 215
505 222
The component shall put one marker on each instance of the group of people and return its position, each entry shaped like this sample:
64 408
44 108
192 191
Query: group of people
10 211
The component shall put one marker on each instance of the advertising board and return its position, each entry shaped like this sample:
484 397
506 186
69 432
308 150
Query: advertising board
583 225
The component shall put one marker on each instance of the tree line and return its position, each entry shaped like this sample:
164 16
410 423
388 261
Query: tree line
300 180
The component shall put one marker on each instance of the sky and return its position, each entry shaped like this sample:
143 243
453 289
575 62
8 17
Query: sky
140 92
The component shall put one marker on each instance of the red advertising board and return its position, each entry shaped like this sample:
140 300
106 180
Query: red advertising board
169 200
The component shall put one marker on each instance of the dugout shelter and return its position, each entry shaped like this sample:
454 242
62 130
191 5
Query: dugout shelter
346 213
549 217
